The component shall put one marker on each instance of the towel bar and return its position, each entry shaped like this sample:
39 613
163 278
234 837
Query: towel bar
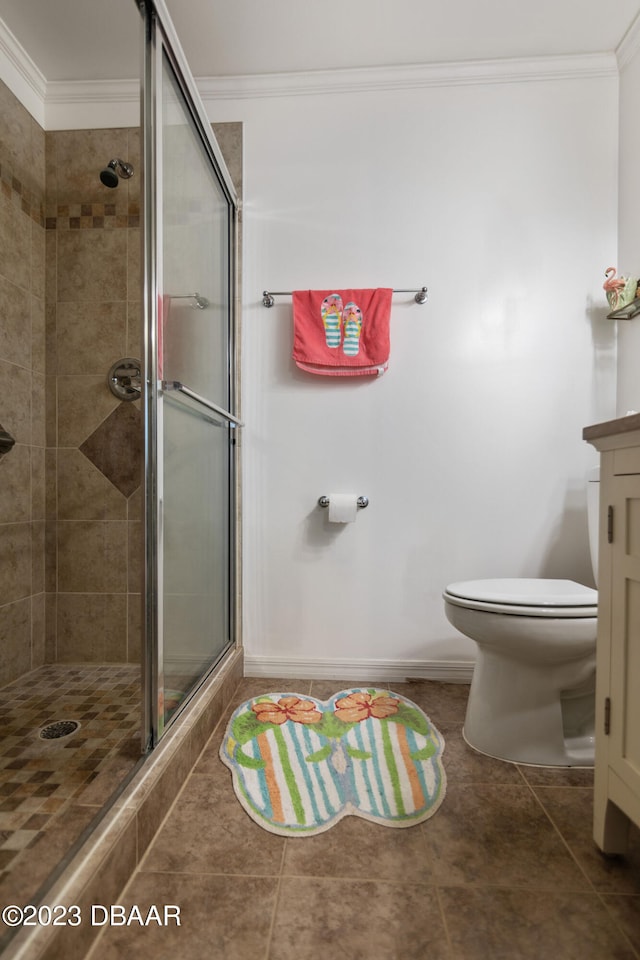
268 301
361 501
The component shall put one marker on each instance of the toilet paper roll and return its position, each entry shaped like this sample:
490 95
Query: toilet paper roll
343 507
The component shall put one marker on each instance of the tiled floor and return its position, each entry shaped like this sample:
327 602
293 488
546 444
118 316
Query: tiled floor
505 870
51 789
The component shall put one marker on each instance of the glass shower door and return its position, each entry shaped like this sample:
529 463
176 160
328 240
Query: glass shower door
190 356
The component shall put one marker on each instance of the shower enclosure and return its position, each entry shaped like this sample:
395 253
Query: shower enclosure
118 519
190 231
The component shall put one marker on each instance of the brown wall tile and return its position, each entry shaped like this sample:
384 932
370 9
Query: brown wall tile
92 556
229 137
15 242
15 312
38 633
90 336
92 265
91 627
84 493
15 561
77 157
15 485
38 482
83 403
134 628
135 346
38 252
15 401
38 335
15 640
38 417
37 556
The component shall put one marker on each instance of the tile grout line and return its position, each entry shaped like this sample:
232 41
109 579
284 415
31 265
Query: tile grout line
594 890
560 834
436 887
444 919
276 902
614 920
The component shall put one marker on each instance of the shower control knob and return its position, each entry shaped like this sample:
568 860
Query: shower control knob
124 379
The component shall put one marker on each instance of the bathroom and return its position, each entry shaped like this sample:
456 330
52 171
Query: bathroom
507 191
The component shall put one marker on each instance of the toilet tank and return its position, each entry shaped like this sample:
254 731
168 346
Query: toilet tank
593 516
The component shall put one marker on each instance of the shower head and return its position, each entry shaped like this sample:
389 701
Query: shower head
115 169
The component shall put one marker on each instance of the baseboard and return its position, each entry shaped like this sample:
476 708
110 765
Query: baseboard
448 671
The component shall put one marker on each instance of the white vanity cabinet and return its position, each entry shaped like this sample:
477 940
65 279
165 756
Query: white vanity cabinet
617 764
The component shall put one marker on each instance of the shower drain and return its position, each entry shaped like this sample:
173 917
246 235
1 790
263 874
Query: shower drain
58 729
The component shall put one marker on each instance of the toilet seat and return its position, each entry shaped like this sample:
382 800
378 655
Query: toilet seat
522 597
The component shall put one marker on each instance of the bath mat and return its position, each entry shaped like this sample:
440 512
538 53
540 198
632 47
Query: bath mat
300 765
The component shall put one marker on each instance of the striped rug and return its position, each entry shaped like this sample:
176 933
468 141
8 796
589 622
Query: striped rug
299 764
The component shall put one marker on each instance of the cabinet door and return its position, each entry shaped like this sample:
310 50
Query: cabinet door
624 746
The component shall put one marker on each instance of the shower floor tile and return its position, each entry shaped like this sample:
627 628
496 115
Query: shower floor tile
45 783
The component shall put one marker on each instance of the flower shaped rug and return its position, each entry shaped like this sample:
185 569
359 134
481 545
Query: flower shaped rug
300 765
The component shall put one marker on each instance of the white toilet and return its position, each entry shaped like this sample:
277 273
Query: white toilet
532 697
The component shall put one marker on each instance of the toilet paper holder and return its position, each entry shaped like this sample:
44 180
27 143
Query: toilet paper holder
362 502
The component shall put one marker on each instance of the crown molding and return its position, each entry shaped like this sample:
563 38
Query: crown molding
92 103
629 45
101 102
21 75
375 79
93 91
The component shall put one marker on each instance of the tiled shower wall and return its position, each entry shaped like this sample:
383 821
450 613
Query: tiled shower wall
22 389
70 495
94 441
69 308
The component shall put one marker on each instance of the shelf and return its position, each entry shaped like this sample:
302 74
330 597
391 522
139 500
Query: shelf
626 313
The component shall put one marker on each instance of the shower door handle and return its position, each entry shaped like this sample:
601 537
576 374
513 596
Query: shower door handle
175 385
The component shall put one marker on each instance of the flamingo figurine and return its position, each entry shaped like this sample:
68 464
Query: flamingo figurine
619 290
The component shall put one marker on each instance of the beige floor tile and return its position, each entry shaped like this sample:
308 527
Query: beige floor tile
221 918
209 762
499 834
356 848
626 913
333 917
505 870
506 924
571 810
208 832
464 765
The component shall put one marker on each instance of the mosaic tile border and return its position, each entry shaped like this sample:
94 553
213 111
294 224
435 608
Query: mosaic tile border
93 216
76 216
15 191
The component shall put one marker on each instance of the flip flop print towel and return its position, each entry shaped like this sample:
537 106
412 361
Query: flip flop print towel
342 333
299 765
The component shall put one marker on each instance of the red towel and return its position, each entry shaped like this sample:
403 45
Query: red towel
342 333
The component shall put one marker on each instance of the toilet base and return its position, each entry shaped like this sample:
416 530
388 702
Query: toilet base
579 754
515 713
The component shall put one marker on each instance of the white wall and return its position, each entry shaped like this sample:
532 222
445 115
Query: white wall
629 231
501 198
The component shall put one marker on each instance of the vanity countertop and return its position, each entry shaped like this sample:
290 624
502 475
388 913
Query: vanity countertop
612 427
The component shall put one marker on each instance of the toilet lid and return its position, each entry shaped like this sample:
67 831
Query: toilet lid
526 592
